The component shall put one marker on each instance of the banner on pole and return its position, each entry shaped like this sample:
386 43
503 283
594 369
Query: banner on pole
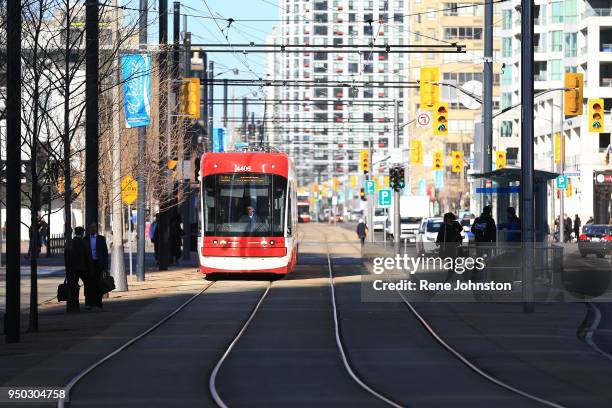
219 139
136 76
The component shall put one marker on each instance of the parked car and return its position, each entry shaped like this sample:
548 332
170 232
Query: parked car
595 239
355 215
427 234
380 219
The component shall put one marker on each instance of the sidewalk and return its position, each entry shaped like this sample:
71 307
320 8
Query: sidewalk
65 344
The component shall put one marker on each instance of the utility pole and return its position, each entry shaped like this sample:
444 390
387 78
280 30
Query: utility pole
117 256
91 112
204 102
225 103
527 164
163 221
244 119
186 153
487 95
397 227
142 145
211 102
561 170
12 325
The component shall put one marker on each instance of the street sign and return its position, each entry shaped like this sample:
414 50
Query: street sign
424 119
562 182
370 187
384 197
129 190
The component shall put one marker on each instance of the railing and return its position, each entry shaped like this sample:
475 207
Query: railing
56 244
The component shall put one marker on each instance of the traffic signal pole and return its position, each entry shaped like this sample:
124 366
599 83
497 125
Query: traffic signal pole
142 145
396 190
527 159
91 114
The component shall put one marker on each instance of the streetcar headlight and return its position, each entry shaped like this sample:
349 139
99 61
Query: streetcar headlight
215 242
263 242
215 165
271 242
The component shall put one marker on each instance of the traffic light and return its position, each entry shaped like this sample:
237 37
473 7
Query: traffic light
440 118
416 152
190 97
438 160
401 182
172 164
362 194
457 162
429 90
364 161
596 115
572 95
500 159
393 178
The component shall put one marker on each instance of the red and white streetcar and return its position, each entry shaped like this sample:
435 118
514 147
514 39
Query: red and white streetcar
248 213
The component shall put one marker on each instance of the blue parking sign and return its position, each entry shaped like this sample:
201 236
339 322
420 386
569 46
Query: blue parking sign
562 182
370 187
384 197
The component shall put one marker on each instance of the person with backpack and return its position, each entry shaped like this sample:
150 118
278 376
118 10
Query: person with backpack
484 228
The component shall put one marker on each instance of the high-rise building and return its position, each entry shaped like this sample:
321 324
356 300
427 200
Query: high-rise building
324 127
570 36
444 22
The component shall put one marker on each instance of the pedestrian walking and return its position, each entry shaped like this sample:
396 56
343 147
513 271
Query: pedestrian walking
43 231
449 239
577 224
77 267
154 237
362 231
567 228
484 228
98 266
176 238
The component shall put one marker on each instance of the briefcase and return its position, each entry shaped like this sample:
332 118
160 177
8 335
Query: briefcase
107 283
62 292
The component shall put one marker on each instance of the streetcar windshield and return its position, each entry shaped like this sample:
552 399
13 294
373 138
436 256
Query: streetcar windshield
244 204
303 209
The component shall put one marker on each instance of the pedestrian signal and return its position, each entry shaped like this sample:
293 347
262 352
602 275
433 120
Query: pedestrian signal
572 95
457 162
438 160
440 118
596 115
401 182
393 178
190 97
429 88
500 159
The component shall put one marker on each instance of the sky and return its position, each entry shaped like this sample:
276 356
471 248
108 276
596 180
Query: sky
206 31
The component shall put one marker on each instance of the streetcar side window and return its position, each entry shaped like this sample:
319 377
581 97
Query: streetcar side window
278 205
289 216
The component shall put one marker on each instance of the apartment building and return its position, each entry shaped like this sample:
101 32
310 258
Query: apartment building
441 21
324 127
570 36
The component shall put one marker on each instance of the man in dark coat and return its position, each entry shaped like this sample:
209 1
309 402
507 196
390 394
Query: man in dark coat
484 228
449 238
577 224
567 229
362 231
77 266
98 252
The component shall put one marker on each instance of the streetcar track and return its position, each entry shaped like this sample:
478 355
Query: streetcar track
456 353
339 343
212 381
63 402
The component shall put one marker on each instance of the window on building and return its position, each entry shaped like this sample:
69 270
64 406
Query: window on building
320 5
353 92
506 19
571 45
507 47
462 33
604 141
398 18
368 117
320 67
506 101
507 76
320 56
556 70
320 92
557 41
557 12
368 93
353 67
320 30
431 14
571 11
368 30
337 41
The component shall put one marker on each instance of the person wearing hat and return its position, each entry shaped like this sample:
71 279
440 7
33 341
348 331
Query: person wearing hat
362 231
